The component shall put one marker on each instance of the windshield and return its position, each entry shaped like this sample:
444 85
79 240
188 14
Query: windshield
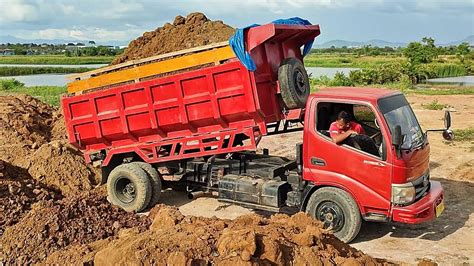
397 111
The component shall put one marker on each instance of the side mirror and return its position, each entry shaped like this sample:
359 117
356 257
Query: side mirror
397 136
448 134
447 120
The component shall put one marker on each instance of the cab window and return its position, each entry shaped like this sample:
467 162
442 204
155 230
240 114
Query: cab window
370 141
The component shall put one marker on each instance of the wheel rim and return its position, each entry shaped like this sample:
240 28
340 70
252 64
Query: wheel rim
331 215
300 82
125 190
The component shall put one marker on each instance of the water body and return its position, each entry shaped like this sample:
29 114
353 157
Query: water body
65 66
42 80
462 81
330 72
61 80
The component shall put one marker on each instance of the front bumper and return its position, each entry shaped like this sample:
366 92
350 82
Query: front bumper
423 210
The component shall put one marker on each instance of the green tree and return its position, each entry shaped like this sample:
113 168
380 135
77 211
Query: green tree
421 53
462 50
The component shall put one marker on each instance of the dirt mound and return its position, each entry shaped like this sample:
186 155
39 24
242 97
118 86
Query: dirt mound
61 166
33 137
175 239
18 193
50 226
194 30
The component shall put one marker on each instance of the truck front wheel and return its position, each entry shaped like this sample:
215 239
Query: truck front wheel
337 210
129 187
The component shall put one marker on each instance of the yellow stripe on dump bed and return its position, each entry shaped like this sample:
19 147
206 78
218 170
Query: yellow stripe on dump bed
161 67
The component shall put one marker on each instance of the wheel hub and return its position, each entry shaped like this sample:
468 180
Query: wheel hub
300 83
125 190
331 215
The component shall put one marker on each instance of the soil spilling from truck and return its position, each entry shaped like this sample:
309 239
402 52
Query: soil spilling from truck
185 32
174 239
33 139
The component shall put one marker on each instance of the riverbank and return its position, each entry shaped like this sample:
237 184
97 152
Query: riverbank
7 71
47 94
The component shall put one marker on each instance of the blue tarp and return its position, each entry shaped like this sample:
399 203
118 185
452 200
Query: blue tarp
237 41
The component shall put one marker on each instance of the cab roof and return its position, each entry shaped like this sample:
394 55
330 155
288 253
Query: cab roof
355 93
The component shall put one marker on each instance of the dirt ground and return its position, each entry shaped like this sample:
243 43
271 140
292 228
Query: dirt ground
447 240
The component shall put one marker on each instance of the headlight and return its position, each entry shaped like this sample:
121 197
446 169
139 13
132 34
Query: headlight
403 193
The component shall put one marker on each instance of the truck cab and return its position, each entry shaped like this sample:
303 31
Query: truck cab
382 175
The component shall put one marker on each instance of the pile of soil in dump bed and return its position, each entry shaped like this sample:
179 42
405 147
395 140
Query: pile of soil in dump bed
194 30
17 193
50 226
174 239
33 137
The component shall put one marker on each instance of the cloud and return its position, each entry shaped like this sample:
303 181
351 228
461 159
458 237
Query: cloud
18 11
81 34
127 19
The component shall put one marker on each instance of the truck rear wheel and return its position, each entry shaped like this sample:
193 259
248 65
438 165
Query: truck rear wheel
337 210
155 181
294 83
129 187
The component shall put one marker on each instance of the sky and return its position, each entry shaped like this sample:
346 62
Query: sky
120 21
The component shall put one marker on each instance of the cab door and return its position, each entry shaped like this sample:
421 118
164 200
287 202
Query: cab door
366 176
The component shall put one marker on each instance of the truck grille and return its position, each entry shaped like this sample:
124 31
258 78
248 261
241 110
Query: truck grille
422 185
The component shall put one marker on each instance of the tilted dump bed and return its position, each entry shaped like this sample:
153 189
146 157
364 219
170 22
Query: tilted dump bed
195 110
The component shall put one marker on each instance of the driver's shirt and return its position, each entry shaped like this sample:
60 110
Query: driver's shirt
334 129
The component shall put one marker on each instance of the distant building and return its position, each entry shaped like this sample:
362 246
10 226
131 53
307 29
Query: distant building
4 52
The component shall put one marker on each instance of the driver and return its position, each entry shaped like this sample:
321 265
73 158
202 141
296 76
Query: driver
343 127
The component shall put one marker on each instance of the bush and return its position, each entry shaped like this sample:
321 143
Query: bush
434 105
10 84
339 80
386 73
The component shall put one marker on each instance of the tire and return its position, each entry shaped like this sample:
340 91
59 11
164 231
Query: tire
294 83
155 181
129 187
337 209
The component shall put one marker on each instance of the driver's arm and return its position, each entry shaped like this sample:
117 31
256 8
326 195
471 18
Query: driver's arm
340 137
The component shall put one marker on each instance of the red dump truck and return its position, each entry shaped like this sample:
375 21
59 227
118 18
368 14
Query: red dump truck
193 119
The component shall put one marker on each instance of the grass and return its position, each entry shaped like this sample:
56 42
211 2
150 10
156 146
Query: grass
440 90
365 61
449 70
47 94
464 134
434 105
403 86
55 59
22 71
348 60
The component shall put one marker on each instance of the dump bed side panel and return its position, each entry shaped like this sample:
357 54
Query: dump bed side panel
206 100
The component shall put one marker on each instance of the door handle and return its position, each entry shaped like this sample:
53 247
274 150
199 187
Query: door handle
318 161
374 163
